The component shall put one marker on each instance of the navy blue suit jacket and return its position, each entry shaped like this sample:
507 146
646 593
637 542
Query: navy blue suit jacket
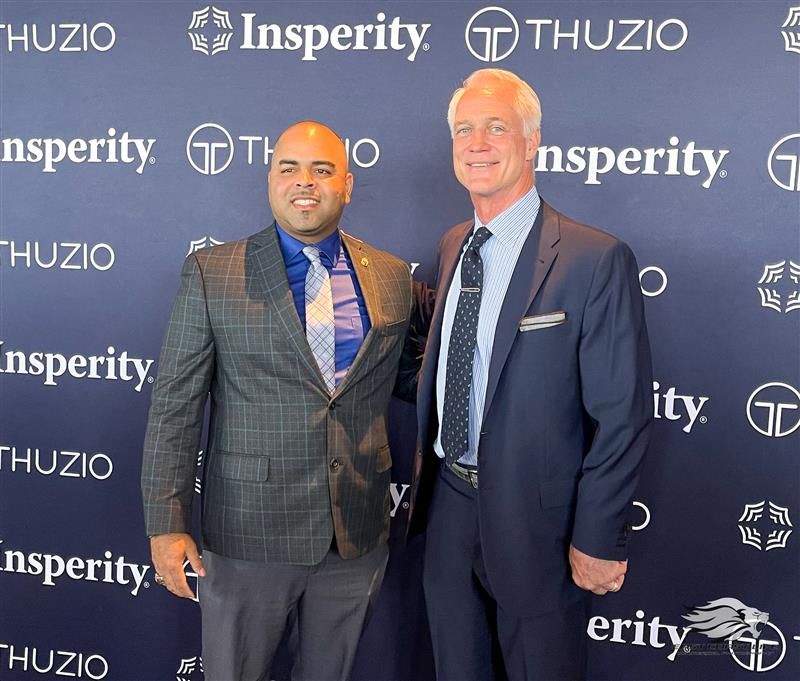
568 411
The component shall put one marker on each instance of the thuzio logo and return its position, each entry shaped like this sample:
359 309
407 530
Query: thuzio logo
672 160
53 365
210 149
52 567
773 409
492 34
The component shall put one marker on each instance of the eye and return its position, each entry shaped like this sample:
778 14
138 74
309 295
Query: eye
463 131
323 171
497 129
287 170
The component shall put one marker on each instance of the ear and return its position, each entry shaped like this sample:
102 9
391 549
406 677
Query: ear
532 145
348 187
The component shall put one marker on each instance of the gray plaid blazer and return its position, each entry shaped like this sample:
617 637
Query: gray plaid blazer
289 465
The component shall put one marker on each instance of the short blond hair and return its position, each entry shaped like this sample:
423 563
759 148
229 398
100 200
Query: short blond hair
526 102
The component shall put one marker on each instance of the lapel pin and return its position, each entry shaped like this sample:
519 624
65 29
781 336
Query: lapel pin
365 261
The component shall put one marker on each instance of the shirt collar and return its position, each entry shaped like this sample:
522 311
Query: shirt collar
292 248
514 220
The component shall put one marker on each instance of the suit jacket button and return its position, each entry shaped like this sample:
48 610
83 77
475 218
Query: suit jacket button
334 464
332 405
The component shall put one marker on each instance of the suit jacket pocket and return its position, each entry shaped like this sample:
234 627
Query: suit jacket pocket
558 492
241 466
384 462
393 327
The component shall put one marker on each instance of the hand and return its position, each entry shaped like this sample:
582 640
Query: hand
168 552
595 574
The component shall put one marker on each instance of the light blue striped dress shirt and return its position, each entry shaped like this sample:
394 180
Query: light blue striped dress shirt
499 254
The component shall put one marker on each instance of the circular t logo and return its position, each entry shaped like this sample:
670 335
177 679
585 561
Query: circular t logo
209 149
783 165
497 27
774 409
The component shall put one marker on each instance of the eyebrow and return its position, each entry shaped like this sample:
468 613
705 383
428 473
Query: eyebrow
491 119
292 162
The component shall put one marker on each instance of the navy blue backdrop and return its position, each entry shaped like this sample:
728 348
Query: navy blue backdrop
134 132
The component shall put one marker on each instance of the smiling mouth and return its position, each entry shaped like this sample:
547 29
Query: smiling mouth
482 164
304 203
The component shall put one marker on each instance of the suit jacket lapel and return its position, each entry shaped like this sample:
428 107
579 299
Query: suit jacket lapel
535 260
266 274
360 261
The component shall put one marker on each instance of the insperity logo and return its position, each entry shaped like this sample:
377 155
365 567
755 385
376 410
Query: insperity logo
754 523
52 366
791 38
776 276
211 30
493 33
221 39
675 159
52 568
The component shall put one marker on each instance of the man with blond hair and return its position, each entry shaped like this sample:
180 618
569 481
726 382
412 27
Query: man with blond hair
534 409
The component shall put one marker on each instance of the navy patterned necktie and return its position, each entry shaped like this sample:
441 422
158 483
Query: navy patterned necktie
461 352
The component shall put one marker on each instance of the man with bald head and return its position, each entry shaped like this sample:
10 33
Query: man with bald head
295 333
534 409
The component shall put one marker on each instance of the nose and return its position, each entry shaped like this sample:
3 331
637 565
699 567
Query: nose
304 178
477 140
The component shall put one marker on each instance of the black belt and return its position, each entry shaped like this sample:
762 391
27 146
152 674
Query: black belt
469 475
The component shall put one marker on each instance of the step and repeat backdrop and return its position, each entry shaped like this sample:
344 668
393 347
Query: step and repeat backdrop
133 133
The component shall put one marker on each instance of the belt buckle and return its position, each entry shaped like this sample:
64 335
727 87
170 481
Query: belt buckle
466 474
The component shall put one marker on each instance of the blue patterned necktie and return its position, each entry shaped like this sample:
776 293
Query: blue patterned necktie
320 325
461 352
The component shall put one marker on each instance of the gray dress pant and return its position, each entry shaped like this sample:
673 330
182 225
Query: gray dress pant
247 606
